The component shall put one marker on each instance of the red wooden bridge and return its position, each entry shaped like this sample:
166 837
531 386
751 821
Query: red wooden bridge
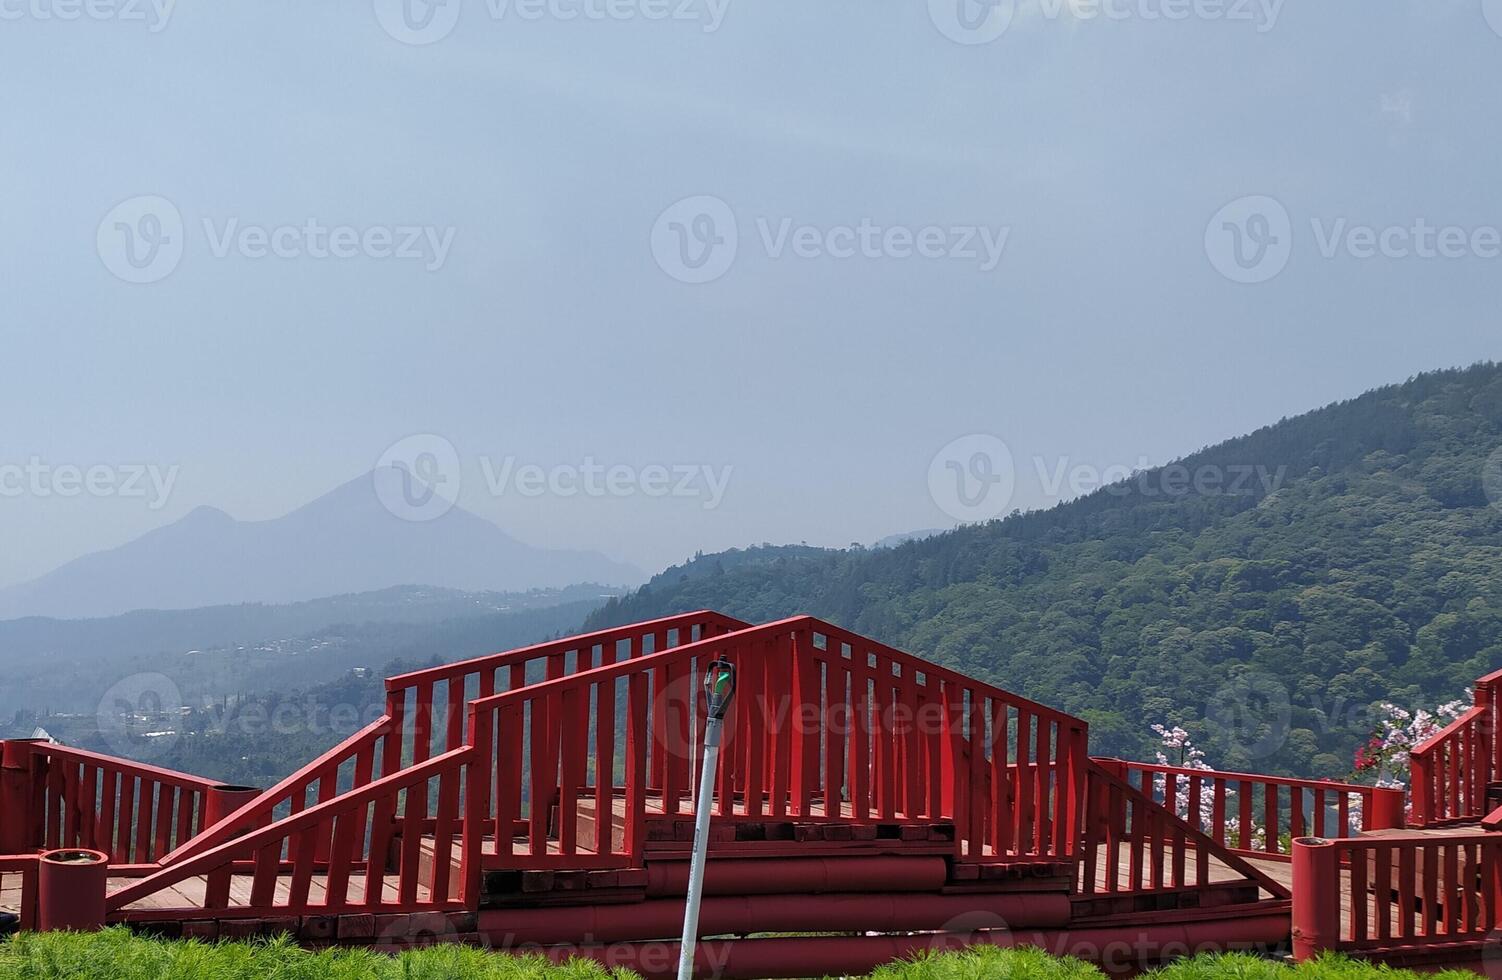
869 805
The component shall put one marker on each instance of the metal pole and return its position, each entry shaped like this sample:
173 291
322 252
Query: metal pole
719 686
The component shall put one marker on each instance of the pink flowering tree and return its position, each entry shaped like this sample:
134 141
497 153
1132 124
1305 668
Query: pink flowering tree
1186 755
1386 754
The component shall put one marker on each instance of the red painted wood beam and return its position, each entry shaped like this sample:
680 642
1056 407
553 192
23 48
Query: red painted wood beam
1119 951
722 915
807 876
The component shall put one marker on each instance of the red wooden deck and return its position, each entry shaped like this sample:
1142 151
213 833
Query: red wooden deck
869 804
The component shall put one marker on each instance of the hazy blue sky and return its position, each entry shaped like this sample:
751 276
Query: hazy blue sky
548 330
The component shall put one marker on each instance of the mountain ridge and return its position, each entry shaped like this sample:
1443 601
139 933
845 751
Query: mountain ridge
344 542
1370 570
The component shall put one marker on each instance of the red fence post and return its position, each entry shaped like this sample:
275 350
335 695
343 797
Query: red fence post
1387 810
1421 783
71 886
15 796
220 801
1316 897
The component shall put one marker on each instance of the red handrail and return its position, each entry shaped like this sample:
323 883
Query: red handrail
1227 805
826 725
132 811
426 710
1450 771
1134 845
1371 894
353 830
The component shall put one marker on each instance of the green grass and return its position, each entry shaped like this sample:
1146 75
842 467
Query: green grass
115 954
1030 964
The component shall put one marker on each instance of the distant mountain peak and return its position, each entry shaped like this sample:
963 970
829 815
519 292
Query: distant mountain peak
376 531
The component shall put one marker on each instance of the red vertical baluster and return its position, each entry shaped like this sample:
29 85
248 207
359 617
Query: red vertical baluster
637 734
836 716
573 735
444 886
1026 819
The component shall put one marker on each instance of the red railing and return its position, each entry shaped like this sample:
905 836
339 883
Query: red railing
826 725
334 856
426 711
1134 845
131 811
1385 893
1261 815
1450 771
18 887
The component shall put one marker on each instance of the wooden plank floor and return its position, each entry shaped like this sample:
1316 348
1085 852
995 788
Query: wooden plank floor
189 893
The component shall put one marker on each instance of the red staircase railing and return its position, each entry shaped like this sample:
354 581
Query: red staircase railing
827 725
1384 894
425 715
73 798
308 862
1134 845
1451 771
1261 815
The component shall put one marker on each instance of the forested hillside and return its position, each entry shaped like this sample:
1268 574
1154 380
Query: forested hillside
1361 561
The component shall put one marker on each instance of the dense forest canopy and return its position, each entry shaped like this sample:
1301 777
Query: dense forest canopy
1346 557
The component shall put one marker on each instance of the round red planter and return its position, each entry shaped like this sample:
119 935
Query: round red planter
71 886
